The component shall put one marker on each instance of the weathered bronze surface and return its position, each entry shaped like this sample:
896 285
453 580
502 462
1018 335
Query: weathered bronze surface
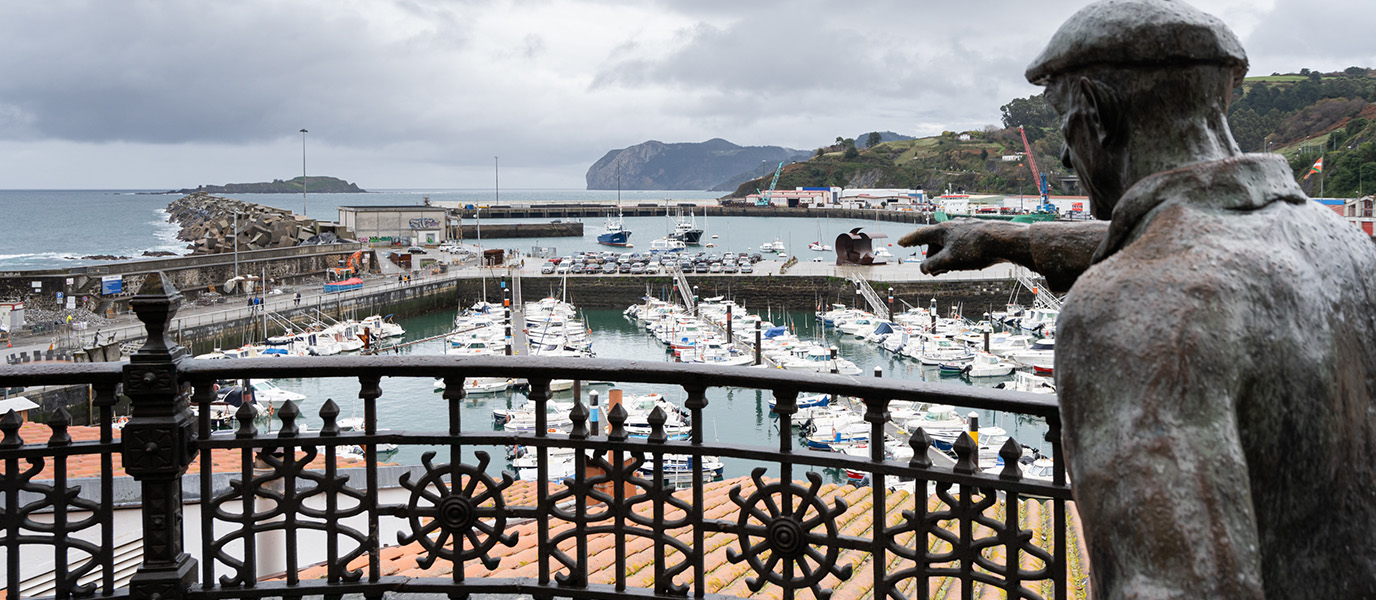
1217 362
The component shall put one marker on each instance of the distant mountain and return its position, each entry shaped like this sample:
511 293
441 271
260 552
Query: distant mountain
713 164
320 185
862 140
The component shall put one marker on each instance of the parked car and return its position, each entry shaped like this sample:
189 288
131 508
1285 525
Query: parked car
547 269
609 269
702 267
416 250
577 268
652 268
715 268
746 268
728 267
637 269
563 267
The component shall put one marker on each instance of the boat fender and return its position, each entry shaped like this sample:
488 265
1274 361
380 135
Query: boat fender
552 430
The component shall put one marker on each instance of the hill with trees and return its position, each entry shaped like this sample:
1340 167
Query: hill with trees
1301 116
317 185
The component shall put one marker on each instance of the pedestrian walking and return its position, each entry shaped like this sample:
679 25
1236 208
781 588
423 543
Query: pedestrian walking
298 298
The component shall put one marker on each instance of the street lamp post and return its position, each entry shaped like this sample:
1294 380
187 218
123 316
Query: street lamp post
496 181
303 172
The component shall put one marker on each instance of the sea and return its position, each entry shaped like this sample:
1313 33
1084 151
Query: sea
54 229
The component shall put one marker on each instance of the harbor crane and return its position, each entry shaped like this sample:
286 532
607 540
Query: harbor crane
764 196
1038 178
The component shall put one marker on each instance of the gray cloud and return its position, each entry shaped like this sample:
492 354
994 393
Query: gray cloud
408 93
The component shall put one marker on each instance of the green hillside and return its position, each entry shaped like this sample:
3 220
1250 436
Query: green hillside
931 163
1301 116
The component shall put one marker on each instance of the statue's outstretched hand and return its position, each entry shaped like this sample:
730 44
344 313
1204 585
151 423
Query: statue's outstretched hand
968 244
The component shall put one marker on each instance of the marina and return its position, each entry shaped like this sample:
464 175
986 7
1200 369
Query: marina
407 404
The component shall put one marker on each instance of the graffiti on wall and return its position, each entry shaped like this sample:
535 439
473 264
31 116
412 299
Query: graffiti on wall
424 223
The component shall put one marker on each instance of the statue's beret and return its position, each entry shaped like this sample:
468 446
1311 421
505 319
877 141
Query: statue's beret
1138 33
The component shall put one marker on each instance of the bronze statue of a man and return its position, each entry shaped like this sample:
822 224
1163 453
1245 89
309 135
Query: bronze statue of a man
1217 353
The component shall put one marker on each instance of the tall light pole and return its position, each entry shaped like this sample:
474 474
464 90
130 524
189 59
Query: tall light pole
496 181
303 172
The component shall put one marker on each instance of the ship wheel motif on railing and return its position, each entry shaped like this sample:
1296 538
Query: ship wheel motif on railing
788 538
452 499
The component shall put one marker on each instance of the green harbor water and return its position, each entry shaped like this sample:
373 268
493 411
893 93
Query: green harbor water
735 416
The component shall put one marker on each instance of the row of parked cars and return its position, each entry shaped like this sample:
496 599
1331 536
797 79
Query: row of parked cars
610 263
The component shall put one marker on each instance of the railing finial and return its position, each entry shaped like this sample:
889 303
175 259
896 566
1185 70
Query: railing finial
10 424
1011 453
329 413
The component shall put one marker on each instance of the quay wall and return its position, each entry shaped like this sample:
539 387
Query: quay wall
521 230
557 211
757 292
400 301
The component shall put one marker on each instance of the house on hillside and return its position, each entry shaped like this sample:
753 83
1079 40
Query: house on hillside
1358 211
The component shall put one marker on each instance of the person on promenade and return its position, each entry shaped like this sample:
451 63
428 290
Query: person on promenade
298 298
1215 361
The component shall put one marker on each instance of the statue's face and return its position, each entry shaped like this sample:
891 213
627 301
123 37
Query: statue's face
1098 163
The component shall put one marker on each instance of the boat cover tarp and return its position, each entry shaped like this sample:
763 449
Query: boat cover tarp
774 332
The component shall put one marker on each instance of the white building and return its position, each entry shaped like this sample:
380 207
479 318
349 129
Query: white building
407 225
810 197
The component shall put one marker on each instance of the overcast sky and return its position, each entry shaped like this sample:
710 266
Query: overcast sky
423 93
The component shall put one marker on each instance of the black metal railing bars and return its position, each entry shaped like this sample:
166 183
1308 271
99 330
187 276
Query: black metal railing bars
456 511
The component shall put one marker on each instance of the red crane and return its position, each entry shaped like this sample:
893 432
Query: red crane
1038 179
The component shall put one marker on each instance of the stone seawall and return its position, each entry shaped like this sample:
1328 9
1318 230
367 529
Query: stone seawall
419 298
191 274
757 293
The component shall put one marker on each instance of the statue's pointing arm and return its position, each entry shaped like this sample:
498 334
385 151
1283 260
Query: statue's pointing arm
1058 251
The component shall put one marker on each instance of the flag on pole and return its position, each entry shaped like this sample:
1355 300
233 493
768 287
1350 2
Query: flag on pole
1317 168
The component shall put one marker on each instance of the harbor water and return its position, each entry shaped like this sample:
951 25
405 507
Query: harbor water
733 416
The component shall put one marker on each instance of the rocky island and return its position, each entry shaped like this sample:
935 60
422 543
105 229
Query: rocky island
314 185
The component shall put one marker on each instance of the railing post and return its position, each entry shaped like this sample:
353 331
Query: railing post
158 445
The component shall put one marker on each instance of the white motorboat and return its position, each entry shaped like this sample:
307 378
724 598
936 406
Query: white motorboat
667 244
1028 382
1041 355
941 423
380 327
473 386
987 365
268 394
818 360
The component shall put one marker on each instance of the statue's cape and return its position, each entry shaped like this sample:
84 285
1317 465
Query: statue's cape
1242 183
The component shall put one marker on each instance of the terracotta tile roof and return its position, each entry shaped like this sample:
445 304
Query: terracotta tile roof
723 577
88 465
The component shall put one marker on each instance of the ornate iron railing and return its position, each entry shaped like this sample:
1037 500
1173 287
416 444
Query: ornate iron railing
784 529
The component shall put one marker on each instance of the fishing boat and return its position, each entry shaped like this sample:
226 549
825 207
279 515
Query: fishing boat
687 231
614 233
